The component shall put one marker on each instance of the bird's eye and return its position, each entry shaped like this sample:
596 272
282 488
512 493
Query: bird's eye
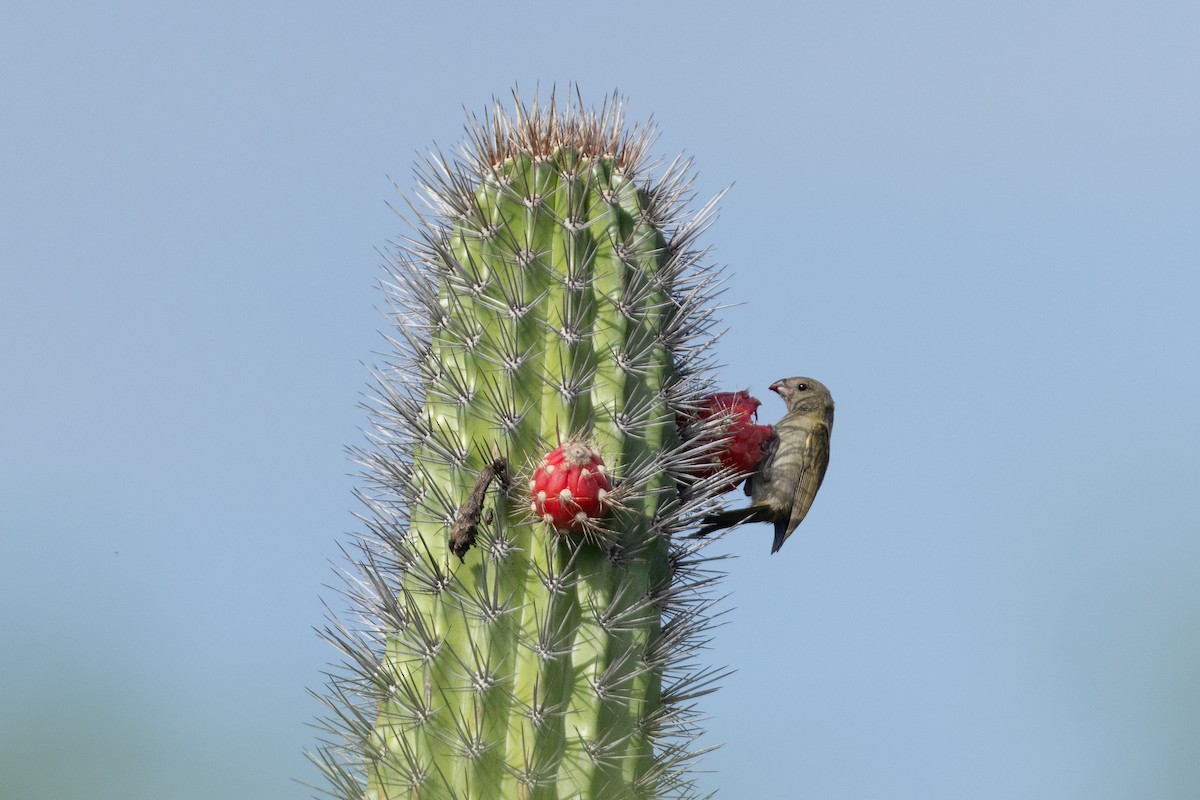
800 387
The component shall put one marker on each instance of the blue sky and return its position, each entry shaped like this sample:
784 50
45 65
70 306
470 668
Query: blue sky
976 224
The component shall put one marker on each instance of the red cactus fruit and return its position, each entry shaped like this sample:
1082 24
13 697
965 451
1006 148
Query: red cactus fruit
570 488
741 439
740 404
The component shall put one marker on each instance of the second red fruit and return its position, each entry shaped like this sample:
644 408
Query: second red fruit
741 438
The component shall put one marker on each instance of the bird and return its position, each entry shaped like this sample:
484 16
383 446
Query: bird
782 487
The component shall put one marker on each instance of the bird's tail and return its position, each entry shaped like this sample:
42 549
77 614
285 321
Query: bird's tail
781 534
727 519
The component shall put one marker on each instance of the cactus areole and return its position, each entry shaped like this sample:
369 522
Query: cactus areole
551 316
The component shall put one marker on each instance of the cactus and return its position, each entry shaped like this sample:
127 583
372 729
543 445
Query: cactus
552 293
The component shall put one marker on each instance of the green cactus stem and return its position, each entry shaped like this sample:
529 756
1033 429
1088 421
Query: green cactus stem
552 291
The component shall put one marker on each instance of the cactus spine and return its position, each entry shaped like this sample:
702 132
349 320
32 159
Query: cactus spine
552 292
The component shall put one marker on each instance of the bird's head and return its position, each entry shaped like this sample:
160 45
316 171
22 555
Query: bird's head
803 394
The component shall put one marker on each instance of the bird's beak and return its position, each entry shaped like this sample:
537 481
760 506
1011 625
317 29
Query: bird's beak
774 387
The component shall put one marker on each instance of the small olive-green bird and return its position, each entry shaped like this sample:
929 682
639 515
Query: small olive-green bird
794 460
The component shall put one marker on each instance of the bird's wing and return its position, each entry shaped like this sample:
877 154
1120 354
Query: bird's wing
815 461
763 474
812 472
